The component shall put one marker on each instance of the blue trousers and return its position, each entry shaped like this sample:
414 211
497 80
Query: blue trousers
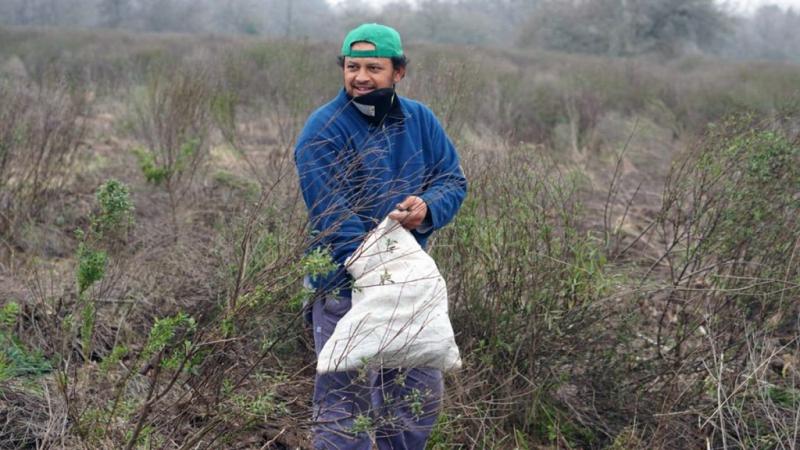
392 408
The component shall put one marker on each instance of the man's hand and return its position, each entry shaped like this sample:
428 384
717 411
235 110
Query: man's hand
410 212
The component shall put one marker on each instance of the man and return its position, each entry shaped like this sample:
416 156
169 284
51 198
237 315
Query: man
366 154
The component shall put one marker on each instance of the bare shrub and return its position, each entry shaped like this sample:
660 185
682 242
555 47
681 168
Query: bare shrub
527 109
23 416
173 120
755 398
262 99
728 222
284 82
227 359
41 129
729 229
447 83
191 361
528 294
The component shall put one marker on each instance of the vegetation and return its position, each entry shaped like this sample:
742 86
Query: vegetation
627 27
623 274
666 28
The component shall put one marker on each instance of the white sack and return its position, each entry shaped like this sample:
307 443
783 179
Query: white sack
398 316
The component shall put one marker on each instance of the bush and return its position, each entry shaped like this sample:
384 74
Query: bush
729 228
527 288
173 120
729 219
115 217
41 129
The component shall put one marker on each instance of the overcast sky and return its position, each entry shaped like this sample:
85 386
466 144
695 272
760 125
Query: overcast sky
736 5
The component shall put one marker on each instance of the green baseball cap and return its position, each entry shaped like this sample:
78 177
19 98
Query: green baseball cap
385 39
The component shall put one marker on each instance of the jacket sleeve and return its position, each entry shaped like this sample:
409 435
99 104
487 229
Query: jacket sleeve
446 186
334 222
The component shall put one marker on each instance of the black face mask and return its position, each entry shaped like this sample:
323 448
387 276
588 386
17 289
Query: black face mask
376 105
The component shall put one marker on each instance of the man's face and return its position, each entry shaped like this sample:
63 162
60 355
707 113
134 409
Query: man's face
364 75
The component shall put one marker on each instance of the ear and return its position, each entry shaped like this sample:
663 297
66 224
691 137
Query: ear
399 74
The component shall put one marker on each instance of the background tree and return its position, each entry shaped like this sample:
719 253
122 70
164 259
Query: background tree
299 19
606 27
172 15
47 12
239 17
772 33
114 12
625 27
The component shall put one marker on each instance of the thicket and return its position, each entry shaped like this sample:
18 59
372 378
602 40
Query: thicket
623 274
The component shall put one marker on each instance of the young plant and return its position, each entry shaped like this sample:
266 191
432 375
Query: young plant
112 223
173 118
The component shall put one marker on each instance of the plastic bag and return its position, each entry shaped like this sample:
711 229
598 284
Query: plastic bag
398 317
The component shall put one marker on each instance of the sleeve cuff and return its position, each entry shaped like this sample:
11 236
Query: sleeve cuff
427 222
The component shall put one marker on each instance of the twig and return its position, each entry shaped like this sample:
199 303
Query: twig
273 440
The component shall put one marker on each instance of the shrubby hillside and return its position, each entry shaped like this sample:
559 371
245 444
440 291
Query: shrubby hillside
624 272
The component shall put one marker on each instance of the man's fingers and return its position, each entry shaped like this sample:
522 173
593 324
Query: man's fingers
409 204
410 212
399 215
406 204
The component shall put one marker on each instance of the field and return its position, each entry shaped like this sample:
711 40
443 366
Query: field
624 274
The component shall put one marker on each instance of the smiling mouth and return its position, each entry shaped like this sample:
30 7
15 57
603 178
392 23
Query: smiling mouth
362 90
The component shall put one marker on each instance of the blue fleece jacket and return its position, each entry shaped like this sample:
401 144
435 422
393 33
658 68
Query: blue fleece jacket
353 173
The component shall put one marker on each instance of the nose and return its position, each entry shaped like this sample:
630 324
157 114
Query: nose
362 76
